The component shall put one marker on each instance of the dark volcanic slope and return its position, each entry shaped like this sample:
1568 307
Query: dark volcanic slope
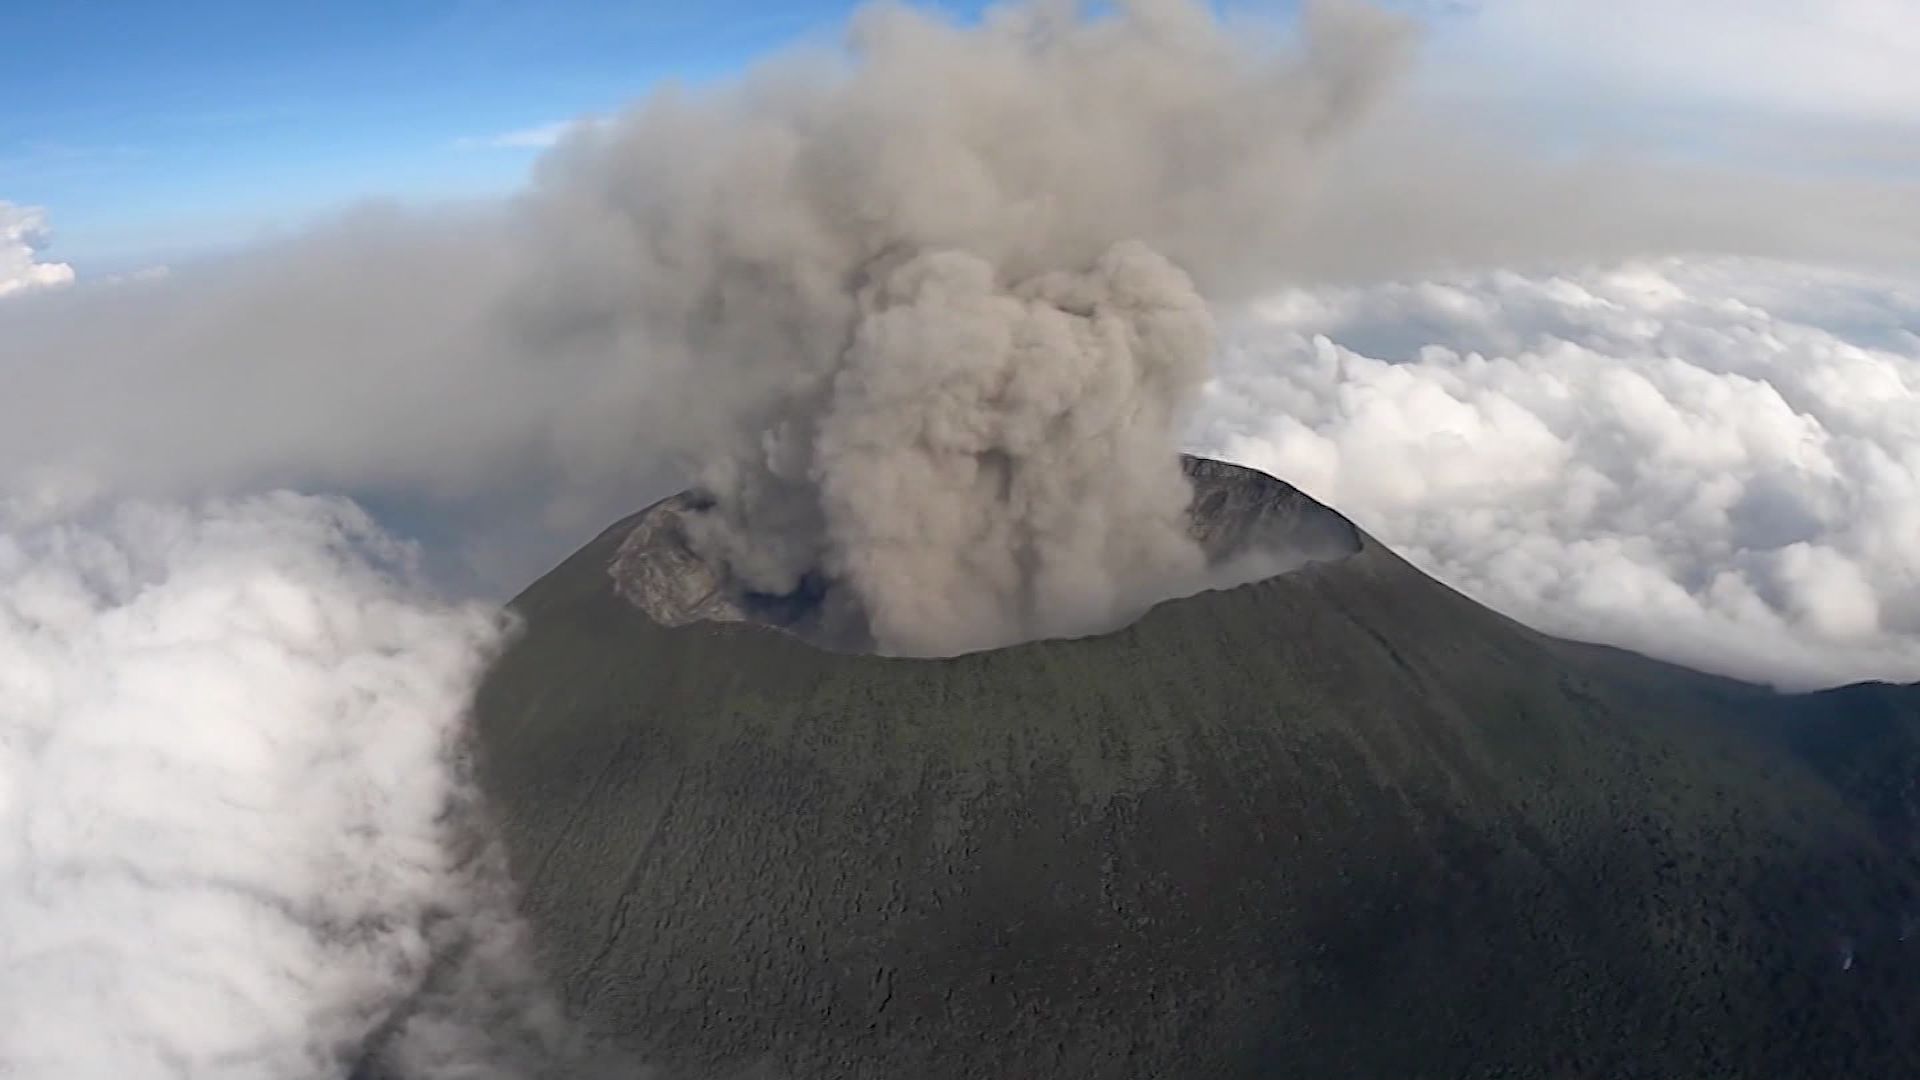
1343 822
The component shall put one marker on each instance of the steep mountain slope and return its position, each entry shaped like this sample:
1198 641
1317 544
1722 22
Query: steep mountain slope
1340 822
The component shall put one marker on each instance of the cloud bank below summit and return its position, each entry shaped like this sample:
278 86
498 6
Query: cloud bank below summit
231 802
1711 460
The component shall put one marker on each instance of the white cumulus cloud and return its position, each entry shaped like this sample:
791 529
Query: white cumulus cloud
229 765
23 232
1715 461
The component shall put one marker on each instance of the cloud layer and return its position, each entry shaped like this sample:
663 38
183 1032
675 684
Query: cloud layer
1710 460
1793 87
1854 61
230 784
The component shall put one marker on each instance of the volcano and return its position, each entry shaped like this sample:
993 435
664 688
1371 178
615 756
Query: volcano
1340 821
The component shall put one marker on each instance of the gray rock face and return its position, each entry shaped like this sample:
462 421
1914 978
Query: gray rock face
1339 822
658 570
1253 526
1249 524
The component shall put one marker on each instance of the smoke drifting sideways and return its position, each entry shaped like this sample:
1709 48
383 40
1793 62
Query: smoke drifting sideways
502 378
924 314
957 289
236 835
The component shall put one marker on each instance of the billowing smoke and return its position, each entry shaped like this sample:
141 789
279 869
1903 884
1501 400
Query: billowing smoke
236 836
954 288
986 464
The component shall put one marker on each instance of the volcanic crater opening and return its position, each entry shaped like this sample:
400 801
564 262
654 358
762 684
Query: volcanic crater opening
1249 526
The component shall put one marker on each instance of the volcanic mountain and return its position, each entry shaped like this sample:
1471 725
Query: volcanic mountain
1341 821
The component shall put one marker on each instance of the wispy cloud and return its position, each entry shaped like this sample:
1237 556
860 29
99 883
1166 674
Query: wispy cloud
46 160
529 138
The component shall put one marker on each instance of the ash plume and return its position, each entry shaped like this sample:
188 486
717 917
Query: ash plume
954 293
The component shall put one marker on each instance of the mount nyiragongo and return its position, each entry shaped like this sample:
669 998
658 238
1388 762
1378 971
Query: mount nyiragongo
1341 822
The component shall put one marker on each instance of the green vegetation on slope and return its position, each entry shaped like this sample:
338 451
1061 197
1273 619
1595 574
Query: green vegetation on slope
1343 822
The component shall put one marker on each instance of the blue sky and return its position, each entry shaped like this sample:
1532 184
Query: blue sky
146 127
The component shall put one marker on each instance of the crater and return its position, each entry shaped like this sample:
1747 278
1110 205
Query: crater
1249 525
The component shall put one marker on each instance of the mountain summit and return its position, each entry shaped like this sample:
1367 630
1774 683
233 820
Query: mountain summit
1246 526
1341 821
